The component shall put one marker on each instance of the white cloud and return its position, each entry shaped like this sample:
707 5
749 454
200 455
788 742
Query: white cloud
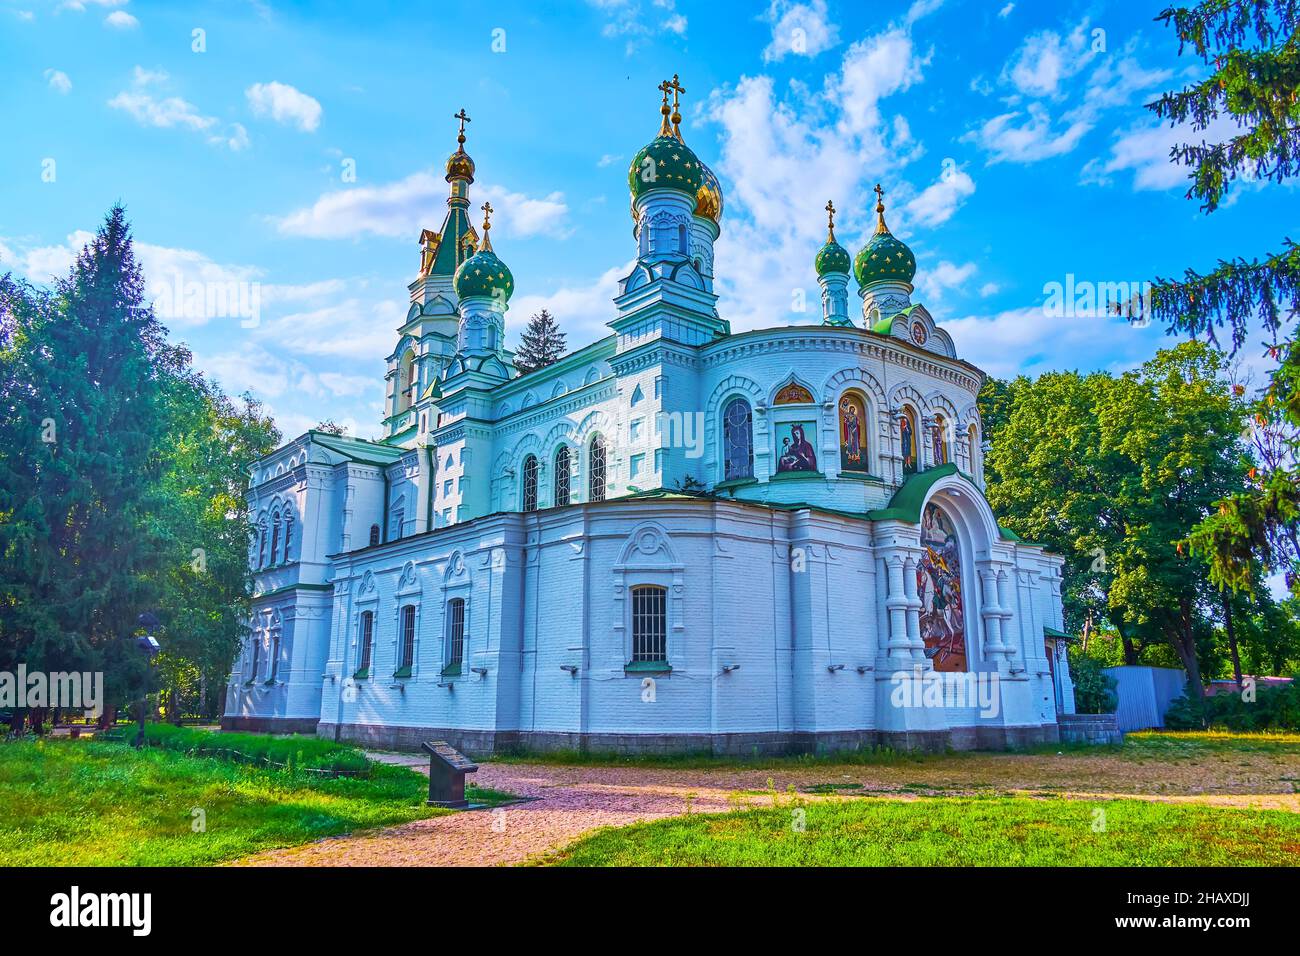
1011 138
173 112
609 159
121 20
1047 59
58 81
398 209
933 281
1027 341
1006 11
582 311
284 104
988 289
936 203
843 138
799 29
630 19
1145 149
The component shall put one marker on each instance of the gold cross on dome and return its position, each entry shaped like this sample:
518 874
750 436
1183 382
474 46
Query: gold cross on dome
463 117
677 89
830 220
487 225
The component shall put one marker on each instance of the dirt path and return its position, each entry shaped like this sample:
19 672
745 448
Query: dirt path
567 802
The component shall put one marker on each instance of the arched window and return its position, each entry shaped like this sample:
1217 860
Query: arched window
596 470
275 537
737 440
397 519
454 652
406 382
257 654
275 653
288 534
649 623
261 543
562 477
973 442
939 440
367 641
907 439
853 434
530 483
374 535
407 656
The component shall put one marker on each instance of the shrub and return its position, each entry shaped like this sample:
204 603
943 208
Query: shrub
1094 689
1274 708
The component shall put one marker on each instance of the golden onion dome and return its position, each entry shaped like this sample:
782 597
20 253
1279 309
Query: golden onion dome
460 166
708 198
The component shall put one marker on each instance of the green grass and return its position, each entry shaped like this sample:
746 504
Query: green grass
81 803
993 831
1146 745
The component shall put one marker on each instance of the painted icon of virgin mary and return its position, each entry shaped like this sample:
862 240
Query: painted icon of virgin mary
797 452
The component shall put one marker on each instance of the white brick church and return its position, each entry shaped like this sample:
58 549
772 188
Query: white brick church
675 538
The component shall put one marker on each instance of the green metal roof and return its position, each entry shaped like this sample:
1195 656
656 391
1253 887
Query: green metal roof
357 449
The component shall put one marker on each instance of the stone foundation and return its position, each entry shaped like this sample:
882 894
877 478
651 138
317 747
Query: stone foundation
1090 728
271 725
484 743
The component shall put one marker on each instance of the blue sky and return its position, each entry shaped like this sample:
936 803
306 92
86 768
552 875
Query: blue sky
1010 138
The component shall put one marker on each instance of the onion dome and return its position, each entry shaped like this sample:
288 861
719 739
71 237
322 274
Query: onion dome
832 257
483 273
708 198
459 165
665 162
884 258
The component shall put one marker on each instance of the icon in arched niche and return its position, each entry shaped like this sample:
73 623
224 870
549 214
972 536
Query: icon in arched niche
938 584
794 450
853 420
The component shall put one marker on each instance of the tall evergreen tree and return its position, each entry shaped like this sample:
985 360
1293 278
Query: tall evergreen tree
542 343
79 498
1253 80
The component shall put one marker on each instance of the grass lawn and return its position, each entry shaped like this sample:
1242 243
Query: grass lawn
946 831
85 803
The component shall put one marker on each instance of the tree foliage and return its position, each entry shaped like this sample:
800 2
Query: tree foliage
541 344
121 485
1113 473
1248 86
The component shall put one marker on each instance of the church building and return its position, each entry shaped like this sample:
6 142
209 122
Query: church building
675 538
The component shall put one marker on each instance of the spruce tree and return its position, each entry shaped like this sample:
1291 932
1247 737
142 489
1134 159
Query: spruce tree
81 423
542 343
1252 55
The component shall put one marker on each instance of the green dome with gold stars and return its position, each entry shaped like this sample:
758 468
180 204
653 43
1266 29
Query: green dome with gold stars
884 258
484 274
664 163
833 257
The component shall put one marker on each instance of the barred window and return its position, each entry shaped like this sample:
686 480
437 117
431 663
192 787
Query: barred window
649 623
455 632
562 477
738 440
367 639
374 535
530 483
596 470
408 638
